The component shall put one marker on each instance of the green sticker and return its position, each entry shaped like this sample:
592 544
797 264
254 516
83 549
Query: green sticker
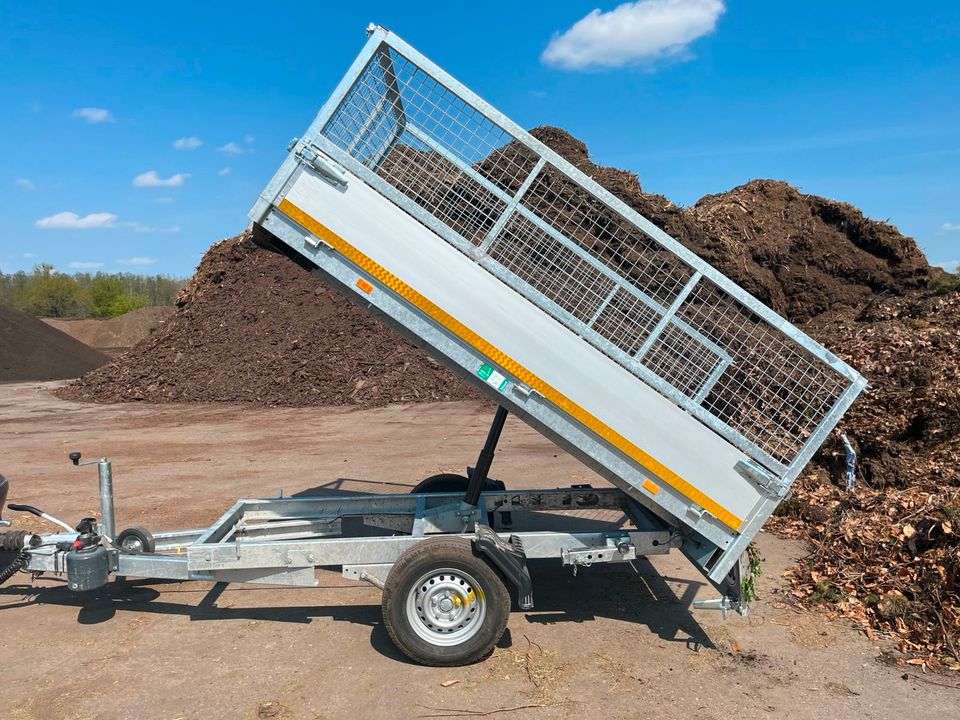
493 378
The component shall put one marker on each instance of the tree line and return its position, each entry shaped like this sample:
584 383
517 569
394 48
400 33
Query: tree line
45 292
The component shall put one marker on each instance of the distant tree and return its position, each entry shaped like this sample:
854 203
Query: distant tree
110 296
46 292
51 294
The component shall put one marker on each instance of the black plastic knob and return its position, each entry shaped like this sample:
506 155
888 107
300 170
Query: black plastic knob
74 458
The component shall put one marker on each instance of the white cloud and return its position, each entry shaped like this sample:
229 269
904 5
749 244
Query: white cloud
94 115
949 227
25 184
223 171
137 261
633 33
152 179
72 221
139 227
187 143
249 139
163 200
231 148
76 265
29 255
951 266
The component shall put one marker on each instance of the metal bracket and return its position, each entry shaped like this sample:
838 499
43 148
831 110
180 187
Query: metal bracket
375 574
614 551
759 476
523 391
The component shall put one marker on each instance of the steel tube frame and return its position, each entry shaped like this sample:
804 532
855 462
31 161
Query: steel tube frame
217 553
107 515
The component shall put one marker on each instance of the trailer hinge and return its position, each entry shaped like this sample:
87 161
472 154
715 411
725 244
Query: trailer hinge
312 156
770 484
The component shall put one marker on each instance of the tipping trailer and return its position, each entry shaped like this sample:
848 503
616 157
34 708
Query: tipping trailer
484 247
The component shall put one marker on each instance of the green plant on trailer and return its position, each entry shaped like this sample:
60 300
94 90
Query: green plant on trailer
748 584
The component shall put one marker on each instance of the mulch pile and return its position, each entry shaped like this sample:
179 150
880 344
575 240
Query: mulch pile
31 350
252 327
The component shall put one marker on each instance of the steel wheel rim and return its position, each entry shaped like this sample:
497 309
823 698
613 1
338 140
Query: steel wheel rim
446 607
132 544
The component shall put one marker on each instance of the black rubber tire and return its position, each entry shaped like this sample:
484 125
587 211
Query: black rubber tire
437 553
147 543
442 483
453 483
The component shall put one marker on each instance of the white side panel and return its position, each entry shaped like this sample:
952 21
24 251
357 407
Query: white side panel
427 263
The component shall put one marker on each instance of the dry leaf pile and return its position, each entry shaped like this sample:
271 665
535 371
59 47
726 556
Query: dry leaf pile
887 554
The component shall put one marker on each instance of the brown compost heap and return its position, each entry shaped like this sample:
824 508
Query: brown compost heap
253 327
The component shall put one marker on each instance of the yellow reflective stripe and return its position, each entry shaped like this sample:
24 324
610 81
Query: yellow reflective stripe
509 364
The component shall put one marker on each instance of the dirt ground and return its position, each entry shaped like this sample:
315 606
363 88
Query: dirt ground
612 642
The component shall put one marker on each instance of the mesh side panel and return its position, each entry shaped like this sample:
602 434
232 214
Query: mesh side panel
412 99
626 321
607 235
681 360
550 268
439 186
615 281
775 392
366 122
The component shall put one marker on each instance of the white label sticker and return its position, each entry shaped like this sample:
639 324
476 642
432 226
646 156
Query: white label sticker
496 380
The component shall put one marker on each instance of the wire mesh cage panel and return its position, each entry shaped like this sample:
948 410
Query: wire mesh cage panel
632 292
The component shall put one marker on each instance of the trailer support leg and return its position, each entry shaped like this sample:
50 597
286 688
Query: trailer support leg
479 477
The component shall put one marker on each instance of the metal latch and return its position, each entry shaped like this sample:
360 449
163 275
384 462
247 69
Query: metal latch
524 391
752 472
312 156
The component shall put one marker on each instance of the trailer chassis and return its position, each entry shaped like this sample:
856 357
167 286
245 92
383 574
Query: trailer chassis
439 552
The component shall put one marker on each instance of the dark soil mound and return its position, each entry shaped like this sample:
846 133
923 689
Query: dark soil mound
813 252
253 327
32 350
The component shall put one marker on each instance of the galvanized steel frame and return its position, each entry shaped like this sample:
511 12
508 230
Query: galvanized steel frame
221 553
379 40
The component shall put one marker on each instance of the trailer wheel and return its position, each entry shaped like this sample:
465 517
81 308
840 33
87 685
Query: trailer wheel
443 604
136 540
451 482
442 483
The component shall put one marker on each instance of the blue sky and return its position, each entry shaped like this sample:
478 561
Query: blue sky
858 101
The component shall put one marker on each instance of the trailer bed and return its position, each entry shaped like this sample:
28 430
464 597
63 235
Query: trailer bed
568 308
